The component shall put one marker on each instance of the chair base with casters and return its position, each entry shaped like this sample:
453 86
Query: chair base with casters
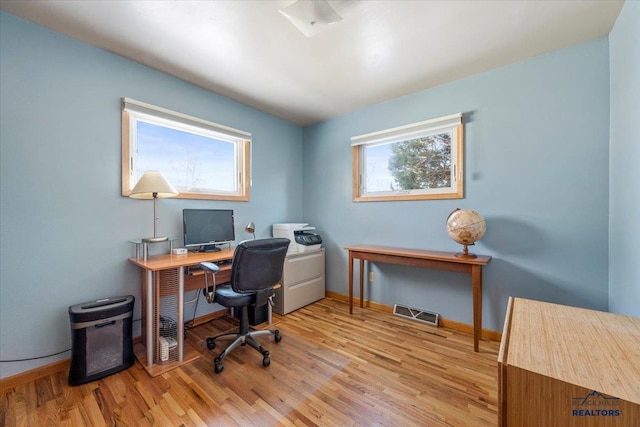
255 272
243 337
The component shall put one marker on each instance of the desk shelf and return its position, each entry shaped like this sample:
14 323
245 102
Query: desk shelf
142 247
158 368
163 277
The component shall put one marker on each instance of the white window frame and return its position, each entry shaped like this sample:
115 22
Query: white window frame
451 123
134 111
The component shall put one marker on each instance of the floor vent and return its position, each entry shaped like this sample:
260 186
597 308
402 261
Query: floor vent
416 314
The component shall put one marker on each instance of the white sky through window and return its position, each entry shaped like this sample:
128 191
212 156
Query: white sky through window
188 161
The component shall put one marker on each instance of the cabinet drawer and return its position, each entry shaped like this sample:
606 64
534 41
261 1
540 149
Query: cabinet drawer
292 297
303 266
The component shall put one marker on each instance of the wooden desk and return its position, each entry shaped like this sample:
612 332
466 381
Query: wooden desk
425 259
165 275
564 366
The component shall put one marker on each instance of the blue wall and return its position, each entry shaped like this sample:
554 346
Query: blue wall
537 167
536 147
64 224
624 219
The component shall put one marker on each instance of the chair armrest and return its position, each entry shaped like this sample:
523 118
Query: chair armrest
210 266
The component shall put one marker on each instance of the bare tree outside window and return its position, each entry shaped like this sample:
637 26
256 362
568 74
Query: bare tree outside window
201 159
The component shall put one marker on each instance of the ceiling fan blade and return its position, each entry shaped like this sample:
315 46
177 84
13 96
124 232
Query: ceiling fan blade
311 17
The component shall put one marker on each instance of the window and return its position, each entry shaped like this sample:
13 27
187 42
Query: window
201 159
413 162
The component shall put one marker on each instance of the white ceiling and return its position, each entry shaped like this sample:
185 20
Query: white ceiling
248 51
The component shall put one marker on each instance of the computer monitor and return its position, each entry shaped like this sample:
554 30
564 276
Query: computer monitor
206 228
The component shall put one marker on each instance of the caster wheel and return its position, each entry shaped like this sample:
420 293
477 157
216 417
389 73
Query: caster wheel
217 365
211 343
266 361
277 336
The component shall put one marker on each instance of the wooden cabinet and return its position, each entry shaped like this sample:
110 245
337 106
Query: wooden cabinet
566 366
303 281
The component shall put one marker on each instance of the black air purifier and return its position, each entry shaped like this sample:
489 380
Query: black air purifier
101 338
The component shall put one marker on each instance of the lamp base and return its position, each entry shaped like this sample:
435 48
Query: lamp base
155 239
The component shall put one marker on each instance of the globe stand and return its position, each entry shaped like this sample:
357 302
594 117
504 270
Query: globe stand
465 252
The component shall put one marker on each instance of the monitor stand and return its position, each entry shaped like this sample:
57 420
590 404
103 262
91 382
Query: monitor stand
210 248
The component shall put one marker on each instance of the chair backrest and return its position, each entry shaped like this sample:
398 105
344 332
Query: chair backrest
258 264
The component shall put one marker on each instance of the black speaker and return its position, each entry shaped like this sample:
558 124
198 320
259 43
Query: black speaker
101 338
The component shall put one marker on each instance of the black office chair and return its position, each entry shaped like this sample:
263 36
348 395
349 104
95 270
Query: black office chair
256 268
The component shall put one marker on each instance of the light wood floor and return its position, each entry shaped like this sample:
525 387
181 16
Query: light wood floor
331 369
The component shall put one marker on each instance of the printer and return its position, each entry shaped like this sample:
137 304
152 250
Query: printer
302 237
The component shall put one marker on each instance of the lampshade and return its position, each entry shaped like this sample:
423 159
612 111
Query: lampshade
153 183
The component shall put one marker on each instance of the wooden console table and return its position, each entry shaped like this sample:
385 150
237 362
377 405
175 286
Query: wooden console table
425 259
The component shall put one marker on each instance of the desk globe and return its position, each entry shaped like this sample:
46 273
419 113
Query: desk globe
466 227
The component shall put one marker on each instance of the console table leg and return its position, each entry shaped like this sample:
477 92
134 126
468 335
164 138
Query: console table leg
476 279
361 283
350 282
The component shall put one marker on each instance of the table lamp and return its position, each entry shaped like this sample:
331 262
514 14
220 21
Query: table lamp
153 185
251 228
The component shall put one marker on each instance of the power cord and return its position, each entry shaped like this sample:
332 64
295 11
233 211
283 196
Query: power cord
187 325
44 357
35 358
190 324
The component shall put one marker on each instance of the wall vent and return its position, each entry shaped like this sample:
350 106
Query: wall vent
416 314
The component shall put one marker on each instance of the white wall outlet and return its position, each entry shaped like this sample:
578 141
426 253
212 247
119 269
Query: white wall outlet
371 276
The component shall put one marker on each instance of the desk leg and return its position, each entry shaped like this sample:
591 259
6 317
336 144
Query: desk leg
180 326
350 282
361 283
150 330
476 279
